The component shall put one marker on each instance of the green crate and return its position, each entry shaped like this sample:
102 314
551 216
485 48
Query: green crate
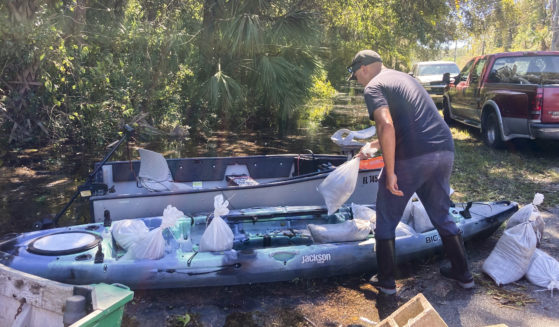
108 306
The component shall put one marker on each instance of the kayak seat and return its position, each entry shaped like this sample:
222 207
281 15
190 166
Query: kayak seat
155 175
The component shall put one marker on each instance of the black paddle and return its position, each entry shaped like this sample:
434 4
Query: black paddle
86 189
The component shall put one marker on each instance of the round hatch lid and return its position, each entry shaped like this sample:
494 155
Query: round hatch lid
61 243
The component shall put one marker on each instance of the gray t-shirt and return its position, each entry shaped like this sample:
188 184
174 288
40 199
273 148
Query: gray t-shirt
420 129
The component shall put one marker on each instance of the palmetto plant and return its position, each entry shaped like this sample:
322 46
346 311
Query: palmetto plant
257 55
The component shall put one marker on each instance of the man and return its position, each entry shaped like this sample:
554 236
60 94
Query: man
418 153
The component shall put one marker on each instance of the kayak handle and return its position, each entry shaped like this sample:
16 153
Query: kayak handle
119 285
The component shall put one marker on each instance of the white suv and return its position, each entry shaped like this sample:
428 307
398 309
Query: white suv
430 75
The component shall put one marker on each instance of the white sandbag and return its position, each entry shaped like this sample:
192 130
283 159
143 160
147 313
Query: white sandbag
128 231
406 216
544 271
152 244
218 236
364 213
416 216
530 213
339 185
511 257
403 230
419 219
349 230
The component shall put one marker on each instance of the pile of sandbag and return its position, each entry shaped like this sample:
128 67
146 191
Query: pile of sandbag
515 255
140 242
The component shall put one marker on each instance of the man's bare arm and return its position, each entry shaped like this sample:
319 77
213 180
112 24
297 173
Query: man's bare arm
387 138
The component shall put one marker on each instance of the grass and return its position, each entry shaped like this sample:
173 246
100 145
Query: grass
516 173
512 296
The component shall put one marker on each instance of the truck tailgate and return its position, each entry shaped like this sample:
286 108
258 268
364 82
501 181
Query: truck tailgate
550 108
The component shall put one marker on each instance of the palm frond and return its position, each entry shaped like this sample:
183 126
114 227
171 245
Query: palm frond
305 58
243 33
295 26
221 91
274 70
279 81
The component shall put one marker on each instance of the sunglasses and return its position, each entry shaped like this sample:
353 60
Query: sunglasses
359 64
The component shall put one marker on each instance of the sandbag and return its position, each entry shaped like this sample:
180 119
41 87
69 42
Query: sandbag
151 245
544 271
416 216
349 230
128 231
339 185
364 213
419 219
218 236
530 213
406 216
511 257
403 230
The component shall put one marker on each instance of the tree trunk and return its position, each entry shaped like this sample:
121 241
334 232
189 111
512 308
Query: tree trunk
24 79
555 25
79 21
207 40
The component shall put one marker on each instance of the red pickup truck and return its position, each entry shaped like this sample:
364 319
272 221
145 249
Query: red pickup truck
507 95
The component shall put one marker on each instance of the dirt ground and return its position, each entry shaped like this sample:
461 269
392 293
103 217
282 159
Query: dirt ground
351 301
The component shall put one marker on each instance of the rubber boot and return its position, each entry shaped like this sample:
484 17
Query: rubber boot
386 259
456 253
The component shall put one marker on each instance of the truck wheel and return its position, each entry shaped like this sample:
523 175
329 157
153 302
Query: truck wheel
446 113
492 132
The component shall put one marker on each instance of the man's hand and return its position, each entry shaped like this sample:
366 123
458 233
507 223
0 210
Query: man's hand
392 185
368 150
361 156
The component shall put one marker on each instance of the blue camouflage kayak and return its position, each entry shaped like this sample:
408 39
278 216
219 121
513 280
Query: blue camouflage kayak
270 244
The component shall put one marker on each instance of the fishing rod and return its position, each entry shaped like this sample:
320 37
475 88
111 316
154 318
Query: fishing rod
88 188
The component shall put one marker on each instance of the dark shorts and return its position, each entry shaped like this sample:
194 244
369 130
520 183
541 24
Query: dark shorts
427 175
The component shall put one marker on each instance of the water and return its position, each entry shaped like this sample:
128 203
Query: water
37 183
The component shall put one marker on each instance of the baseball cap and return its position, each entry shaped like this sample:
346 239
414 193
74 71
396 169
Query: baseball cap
362 58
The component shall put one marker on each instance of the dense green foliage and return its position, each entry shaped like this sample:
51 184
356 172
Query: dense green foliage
489 26
80 69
